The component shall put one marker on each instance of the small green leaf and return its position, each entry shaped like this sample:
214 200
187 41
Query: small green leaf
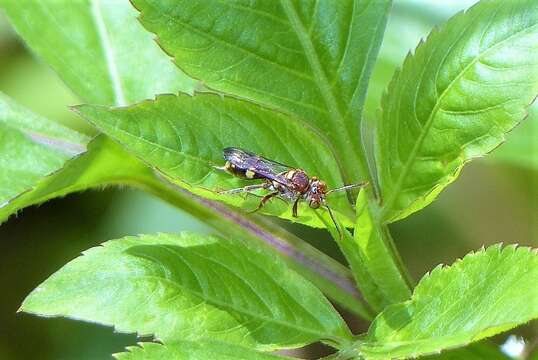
187 350
98 48
484 294
310 59
31 147
454 99
190 287
184 136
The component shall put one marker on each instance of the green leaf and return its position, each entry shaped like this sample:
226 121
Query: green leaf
408 22
98 48
484 294
65 34
169 135
454 100
105 163
310 59
190 287
31 147
187 350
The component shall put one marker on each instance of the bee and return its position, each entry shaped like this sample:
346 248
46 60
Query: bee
292 184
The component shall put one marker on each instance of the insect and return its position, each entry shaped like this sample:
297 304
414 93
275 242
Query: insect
280 180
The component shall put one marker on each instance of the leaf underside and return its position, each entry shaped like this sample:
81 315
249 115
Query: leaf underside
479 351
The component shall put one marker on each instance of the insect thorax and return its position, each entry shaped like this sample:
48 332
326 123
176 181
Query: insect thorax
299 179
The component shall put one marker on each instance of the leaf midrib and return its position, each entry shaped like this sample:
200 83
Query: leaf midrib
71 147
310 53
407 167
347 141
113 73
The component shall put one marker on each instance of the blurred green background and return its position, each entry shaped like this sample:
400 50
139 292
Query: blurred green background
494 200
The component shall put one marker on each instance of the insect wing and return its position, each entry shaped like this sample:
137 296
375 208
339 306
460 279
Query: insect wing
263 167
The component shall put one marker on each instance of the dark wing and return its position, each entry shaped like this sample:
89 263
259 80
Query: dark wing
246 160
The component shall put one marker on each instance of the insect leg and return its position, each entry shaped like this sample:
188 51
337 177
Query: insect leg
294 210
243 189
264 200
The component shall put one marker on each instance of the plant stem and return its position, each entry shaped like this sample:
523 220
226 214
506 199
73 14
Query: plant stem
381 269
334 279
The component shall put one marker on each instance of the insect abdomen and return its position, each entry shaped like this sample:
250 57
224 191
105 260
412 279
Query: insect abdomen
244 173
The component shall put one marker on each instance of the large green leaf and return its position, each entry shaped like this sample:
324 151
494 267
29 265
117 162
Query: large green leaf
170 135
408 22
190 287
309 58
187 350
98 48
31 147
484 294
454 100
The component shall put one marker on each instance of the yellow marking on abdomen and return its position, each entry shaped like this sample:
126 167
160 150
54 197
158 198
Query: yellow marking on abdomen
250 174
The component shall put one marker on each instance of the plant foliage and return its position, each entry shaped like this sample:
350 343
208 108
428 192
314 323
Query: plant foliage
287 80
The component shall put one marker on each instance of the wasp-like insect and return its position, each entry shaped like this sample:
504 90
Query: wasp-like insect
280 180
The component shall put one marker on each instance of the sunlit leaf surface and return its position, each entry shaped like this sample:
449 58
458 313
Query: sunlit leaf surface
475 298
190 287
454 99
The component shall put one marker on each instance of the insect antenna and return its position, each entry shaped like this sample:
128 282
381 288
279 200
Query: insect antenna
347 187
334 221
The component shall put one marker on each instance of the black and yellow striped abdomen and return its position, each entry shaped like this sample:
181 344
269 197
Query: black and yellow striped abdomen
244 173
